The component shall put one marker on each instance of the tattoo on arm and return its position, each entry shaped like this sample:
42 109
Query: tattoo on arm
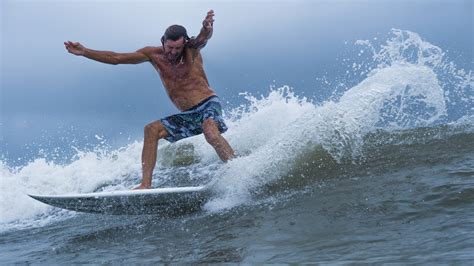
206 32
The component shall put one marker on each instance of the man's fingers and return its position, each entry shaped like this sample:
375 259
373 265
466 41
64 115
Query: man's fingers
209 20
71 47
210 13
71 43
210 16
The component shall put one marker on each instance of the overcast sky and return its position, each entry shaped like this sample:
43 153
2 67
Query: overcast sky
255 44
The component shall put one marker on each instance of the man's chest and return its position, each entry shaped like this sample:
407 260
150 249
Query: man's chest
185 67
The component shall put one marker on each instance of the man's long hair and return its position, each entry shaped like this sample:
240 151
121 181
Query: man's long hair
174 32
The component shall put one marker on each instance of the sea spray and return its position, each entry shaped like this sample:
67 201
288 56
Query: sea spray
339 127
408 48
90 171
401 90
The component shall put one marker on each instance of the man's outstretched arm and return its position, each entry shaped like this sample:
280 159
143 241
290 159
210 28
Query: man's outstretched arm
108 57
205 33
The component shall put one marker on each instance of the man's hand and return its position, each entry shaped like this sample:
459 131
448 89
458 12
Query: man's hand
209 20
75 48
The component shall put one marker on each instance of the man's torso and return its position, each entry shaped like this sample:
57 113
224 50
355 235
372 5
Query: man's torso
185 82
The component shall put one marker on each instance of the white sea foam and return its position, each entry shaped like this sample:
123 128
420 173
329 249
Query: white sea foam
337 126
89 171
402 90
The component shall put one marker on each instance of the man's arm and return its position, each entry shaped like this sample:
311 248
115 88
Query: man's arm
205 34
109 57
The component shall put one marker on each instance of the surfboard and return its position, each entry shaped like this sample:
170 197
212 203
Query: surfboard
170 201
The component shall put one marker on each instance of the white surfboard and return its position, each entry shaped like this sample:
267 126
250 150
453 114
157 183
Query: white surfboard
171 201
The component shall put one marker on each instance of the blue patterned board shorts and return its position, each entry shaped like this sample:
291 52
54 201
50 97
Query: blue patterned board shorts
189 122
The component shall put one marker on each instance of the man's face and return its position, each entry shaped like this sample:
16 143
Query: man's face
173 49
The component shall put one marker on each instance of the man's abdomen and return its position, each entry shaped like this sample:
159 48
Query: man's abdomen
187 95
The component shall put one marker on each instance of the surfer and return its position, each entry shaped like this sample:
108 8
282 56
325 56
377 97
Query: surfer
179 63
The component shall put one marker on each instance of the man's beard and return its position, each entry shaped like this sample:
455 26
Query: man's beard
175 57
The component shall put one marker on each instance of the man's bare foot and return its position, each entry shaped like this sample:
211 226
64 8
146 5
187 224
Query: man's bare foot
142 186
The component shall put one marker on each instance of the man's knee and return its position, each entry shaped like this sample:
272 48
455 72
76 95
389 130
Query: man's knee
155 131
211 131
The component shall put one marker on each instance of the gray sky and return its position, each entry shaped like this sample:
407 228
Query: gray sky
255 44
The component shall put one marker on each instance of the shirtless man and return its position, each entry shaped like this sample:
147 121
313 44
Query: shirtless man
180 66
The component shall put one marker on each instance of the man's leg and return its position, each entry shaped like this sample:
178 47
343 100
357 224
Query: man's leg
153 132
214 137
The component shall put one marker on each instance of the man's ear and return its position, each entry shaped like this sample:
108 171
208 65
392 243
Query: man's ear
163 40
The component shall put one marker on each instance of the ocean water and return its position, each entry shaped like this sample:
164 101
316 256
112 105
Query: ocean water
382 171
